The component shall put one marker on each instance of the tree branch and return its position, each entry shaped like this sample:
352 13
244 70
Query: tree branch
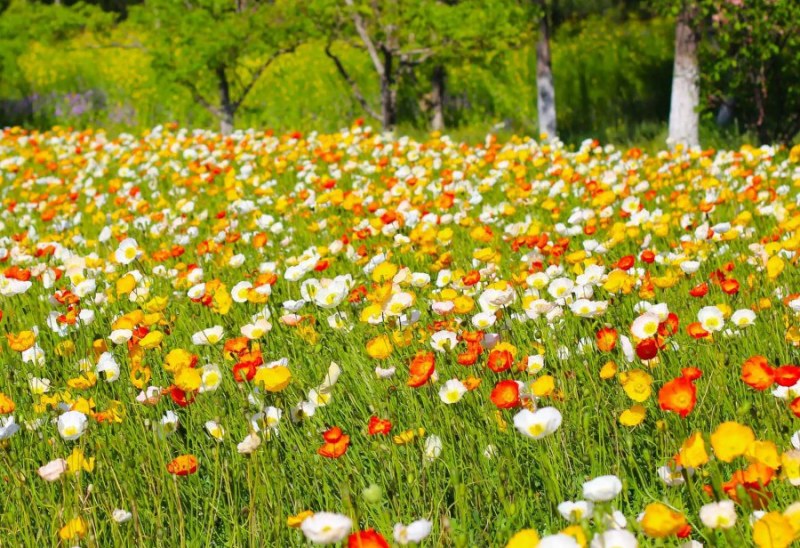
258 72
199 99
352 83
364 35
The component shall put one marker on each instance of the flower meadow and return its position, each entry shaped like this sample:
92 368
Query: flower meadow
364 340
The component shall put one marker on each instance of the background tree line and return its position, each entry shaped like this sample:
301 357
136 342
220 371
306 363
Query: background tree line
618 70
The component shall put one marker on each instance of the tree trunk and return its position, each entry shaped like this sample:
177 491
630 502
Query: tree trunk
684 118
226 122
437 98
388 93
227 110
545 90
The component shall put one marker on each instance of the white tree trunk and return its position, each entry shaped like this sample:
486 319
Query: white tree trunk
683 111
226 123
545 90
437 98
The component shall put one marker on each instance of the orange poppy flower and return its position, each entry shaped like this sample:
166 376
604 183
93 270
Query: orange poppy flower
500 360
379 426
471 382
336 443
505 394
6 405
421 369
678 395
235 346
730 286
695 329
472 336
606 339
183 465
691 373
754 479
757 373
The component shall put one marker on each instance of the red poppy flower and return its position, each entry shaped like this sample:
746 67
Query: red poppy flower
471 278
669 326
369 538
647 349
179 396
699 290
626 262
787 375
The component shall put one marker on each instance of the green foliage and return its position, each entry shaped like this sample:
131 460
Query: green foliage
755 60
217 49
610 77
612 64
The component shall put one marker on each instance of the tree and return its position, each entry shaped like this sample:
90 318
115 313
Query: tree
545 89
386 31
755 61
400 36
219 47
23 22
684 116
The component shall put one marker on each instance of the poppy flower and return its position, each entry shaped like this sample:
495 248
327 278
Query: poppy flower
678 395
183 465
699 290
626 262
695 329
647 349
179 396
757 373
787 375
500 360
730 286
794 407
368 538
669 326
505 394
647 256
691 373
606 339
467 358
336 443
421 369
379 426
471 278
